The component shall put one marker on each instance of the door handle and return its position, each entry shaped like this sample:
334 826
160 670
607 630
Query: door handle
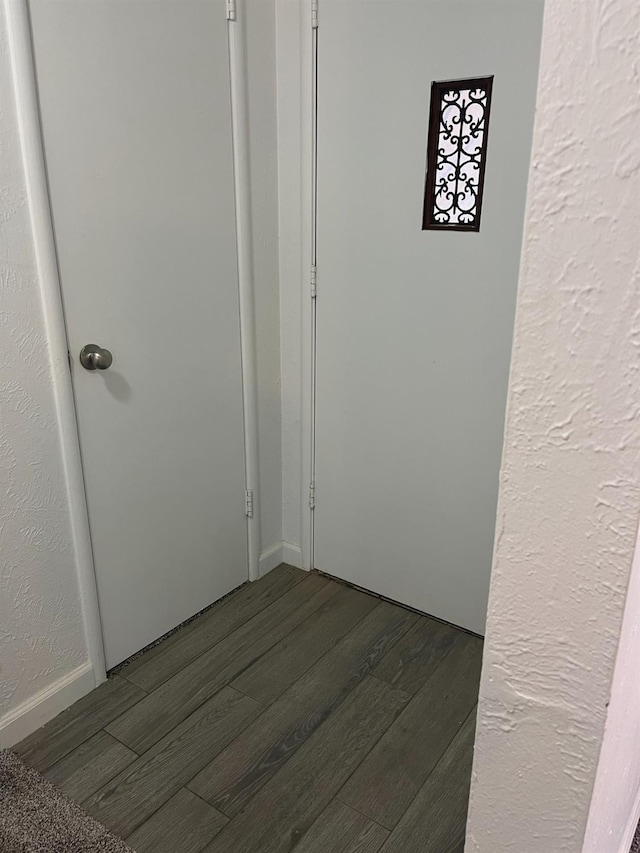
93 357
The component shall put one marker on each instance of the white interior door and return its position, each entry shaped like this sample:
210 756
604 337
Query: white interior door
135 102
414 327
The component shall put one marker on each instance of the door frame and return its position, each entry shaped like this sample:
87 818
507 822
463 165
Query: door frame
37 190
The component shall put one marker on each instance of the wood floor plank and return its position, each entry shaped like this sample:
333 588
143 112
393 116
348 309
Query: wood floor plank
412 660
78 723
185 823
174 700
89 766
239 771
363 699
435 821
340 829
387 781
137 792
282 812
277 670
160 662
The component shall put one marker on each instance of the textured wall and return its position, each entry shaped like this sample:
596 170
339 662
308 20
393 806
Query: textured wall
42 634
570 479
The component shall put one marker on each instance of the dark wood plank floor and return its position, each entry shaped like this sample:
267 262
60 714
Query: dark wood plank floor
296 714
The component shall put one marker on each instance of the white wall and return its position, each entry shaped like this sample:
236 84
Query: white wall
44 657
570 479
293 40
260 18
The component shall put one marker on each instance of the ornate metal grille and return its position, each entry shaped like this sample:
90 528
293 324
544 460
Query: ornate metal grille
456 154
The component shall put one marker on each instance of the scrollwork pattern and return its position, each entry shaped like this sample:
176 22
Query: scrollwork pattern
458 154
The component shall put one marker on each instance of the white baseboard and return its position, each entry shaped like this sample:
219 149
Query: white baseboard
269 559
292 554
281 552
45 705
630 831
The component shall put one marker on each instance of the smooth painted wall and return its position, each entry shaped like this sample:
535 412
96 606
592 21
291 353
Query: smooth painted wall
293 61
570 480
42 632
263 167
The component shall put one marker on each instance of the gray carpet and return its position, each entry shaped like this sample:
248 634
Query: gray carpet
37 818
635 847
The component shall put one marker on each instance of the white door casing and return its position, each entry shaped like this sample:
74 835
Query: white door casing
414 327
136 117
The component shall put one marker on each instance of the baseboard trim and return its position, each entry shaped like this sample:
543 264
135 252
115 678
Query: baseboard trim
630 831
281 552
45 705
292 554
269 559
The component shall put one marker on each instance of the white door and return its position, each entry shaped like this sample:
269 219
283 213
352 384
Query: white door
135 101
414 327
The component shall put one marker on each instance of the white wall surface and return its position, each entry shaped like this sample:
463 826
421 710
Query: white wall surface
43 647
263 154
293 40
570 479
291 221
615 806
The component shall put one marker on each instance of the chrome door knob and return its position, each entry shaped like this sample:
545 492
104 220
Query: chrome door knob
93 357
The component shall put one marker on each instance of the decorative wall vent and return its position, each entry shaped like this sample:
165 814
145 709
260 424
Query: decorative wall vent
456 154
